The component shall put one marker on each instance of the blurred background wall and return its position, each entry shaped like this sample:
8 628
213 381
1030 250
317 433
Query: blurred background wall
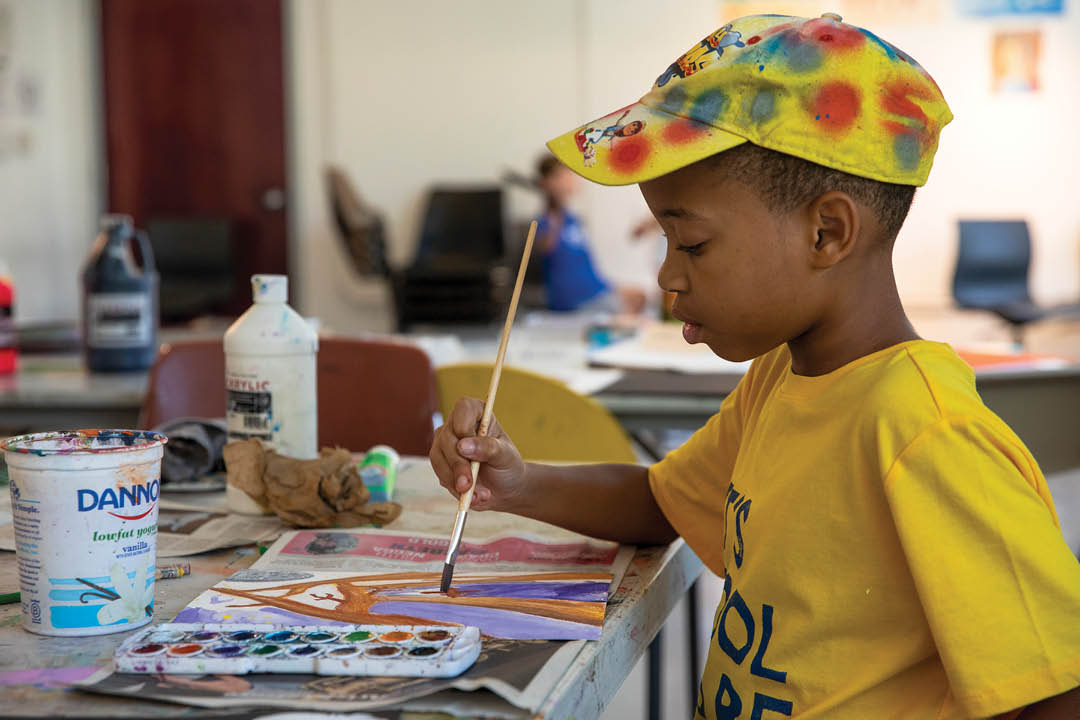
404 94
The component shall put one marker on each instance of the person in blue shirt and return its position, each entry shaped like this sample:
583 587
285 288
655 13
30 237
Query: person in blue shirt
571 280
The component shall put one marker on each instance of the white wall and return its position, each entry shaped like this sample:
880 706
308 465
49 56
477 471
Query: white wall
480 85
50 185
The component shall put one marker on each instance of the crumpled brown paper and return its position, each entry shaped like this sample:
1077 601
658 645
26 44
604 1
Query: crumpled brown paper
325 492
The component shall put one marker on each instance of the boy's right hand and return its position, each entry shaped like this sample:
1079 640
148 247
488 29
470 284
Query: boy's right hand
500 483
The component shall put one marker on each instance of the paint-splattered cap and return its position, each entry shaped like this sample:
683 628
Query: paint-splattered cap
819 89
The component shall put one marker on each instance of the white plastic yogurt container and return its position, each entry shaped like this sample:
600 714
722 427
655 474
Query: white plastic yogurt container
85 507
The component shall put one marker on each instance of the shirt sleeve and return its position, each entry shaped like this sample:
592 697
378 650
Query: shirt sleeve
998 583
690 484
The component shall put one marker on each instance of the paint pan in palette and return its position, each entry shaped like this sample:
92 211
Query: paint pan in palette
404 651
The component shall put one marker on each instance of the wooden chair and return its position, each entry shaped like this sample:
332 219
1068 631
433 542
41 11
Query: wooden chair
370 392
545 419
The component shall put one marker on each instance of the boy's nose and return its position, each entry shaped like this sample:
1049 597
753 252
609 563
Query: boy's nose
670 277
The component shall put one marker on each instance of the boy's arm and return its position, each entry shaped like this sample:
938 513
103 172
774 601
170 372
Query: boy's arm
613 502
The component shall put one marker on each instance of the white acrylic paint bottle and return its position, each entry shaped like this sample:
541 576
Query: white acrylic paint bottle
270 373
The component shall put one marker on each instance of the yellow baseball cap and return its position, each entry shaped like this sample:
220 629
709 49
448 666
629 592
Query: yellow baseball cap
818 89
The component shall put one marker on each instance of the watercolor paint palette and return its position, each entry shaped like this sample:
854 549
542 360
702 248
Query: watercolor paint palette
232 649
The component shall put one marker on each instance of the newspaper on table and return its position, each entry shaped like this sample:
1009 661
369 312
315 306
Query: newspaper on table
520 673
184 528
369 550
190 532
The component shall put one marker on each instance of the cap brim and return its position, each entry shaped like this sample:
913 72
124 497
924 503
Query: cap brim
638 143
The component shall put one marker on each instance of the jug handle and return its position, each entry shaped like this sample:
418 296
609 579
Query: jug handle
146 252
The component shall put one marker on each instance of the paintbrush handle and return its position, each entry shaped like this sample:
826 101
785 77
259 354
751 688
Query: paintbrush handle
496 372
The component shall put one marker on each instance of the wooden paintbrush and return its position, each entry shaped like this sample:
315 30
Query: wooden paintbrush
485 419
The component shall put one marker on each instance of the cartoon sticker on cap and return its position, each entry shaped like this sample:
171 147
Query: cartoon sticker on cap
588 137
699 56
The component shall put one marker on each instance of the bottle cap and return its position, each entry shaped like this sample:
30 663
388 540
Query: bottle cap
269 288
110 221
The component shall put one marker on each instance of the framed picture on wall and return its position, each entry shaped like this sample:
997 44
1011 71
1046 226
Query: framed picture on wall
1015 61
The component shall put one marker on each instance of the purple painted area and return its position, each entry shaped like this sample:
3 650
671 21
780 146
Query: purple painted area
249 616
47 677
584 590
499 623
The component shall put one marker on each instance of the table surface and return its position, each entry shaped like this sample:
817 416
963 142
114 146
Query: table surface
654 583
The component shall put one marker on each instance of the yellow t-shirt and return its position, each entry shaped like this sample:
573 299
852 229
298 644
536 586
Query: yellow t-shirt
890 546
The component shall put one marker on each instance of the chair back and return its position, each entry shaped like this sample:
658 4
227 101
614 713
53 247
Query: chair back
187 379
369 392
992 264
545 419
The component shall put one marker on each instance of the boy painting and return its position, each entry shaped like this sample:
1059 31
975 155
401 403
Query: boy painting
889 546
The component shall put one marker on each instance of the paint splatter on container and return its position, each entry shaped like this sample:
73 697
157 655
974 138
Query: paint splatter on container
85 516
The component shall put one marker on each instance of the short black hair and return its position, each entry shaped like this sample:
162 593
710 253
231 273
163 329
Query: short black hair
784 182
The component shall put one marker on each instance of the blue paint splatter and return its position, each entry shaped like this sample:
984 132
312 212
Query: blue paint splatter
763 106
804 57
906 149
709 106
760 68
674 101
889 49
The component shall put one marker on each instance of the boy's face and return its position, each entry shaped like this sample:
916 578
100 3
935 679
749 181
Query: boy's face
742 273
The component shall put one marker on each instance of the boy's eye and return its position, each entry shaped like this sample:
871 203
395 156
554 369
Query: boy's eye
691 249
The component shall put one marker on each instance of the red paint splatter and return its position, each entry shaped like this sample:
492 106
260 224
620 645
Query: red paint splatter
629 155
896 100
894 127
778 28
838 37
134 517
754 40
683 131
836 106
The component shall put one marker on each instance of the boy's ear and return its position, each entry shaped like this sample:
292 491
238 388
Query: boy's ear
834 225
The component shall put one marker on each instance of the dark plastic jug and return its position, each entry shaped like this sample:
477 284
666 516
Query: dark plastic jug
120 299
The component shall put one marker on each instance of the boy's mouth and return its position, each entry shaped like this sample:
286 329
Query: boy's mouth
692 332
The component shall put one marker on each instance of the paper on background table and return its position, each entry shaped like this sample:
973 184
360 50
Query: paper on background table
662 347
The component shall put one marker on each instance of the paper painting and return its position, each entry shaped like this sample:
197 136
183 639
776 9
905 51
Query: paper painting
522 606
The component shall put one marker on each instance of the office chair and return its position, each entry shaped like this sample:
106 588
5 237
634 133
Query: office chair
361 228
195 262
992 271
458 274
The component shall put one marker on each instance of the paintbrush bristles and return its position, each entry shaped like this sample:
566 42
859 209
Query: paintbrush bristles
447 578
485 420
